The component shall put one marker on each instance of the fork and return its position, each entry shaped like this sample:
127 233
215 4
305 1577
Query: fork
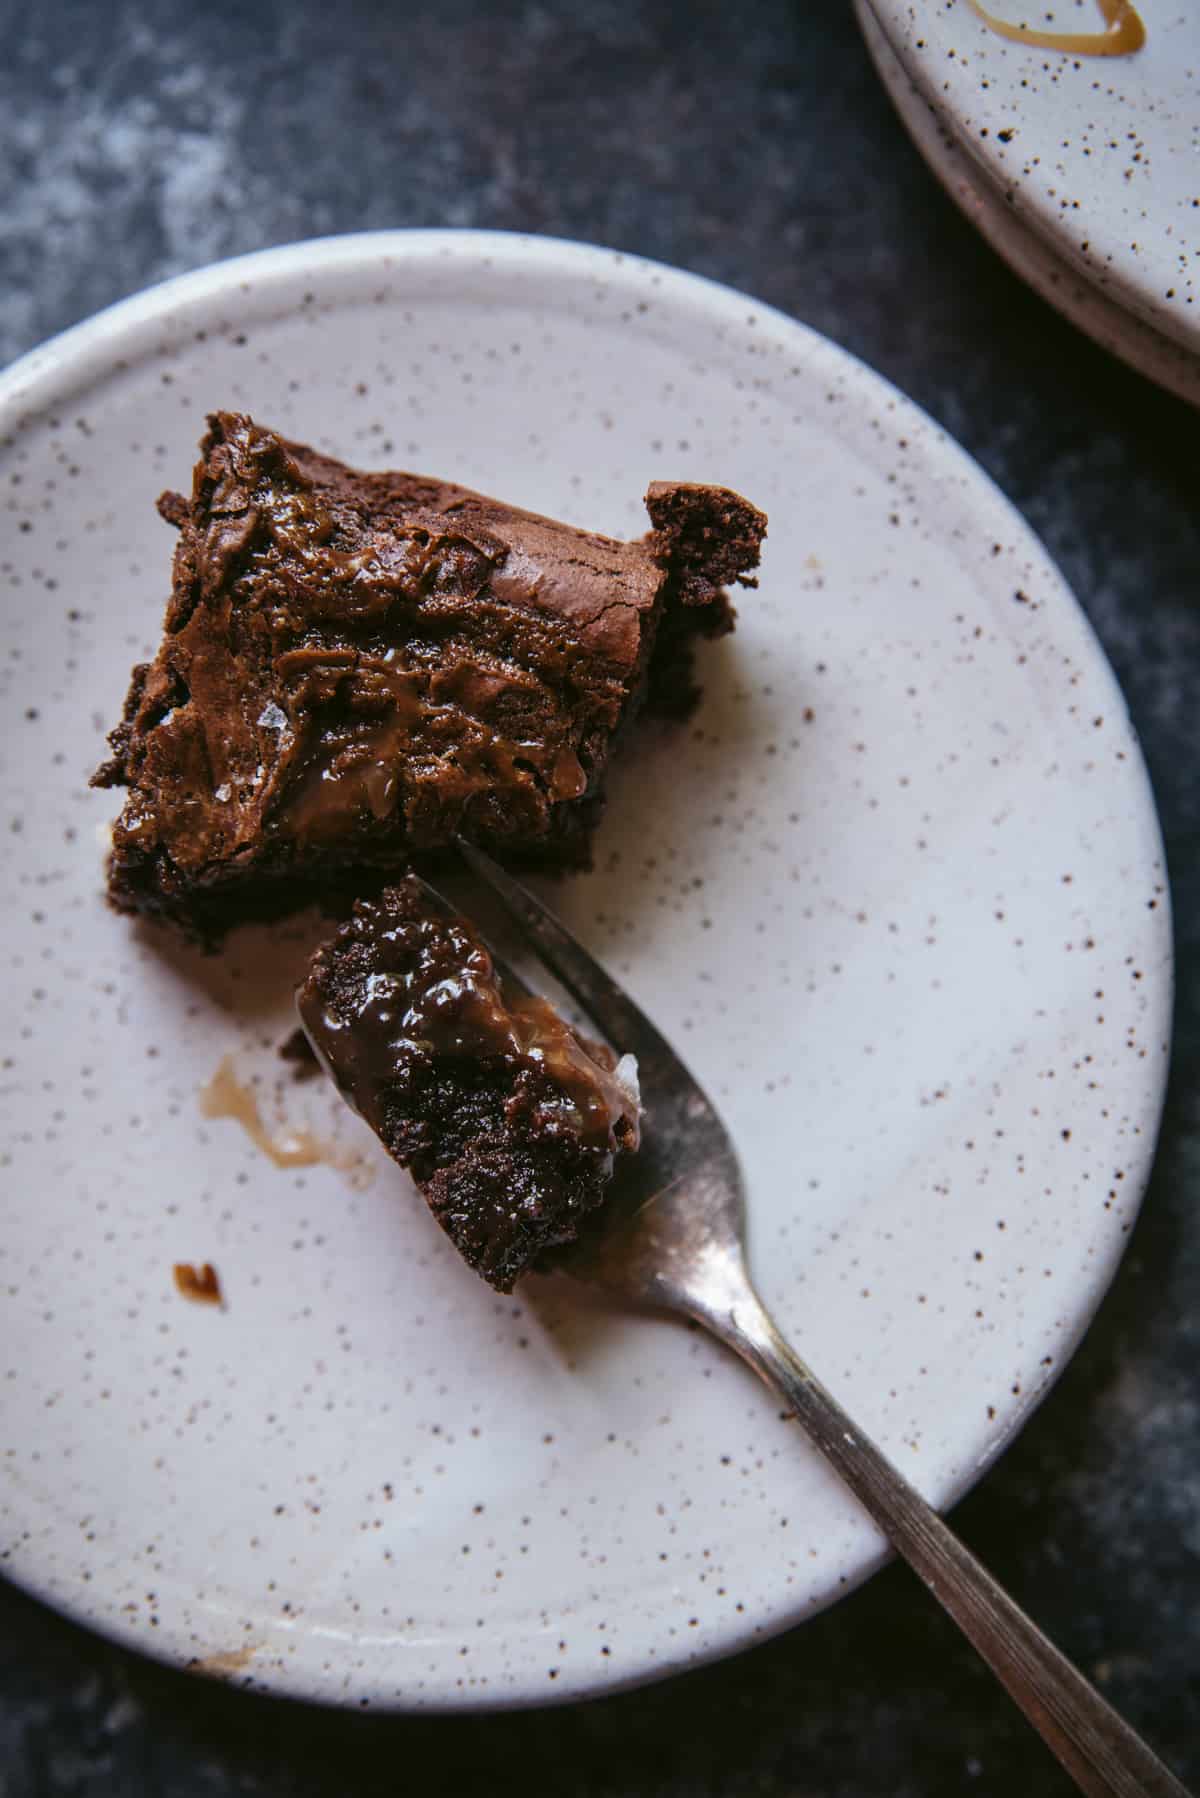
672 1238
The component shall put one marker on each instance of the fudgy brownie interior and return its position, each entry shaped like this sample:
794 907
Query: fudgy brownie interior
357 667
508 1120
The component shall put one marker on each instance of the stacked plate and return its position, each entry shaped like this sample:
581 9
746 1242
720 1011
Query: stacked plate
1070 134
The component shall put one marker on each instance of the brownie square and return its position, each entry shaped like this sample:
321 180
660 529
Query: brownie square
355 668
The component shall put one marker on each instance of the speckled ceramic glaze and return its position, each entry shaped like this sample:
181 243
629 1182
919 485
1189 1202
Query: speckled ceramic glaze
896 890
1088 305
1100 155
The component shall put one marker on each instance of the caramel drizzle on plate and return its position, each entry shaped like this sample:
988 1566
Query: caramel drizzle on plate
225 1096
1123 34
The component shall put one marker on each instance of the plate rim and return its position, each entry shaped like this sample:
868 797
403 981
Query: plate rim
67 361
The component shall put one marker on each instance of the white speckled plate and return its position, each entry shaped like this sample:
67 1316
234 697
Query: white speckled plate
1089 306
897 890
1098 155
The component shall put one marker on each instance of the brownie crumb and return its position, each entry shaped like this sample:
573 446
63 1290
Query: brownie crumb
298 1051
201 1284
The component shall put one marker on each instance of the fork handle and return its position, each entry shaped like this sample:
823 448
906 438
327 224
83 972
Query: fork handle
1104 1756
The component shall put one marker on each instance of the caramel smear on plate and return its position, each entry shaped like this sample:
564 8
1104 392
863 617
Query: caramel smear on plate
225 1096
221 1666
1124 32
200 1284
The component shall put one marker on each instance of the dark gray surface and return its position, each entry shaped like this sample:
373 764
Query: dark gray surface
754 146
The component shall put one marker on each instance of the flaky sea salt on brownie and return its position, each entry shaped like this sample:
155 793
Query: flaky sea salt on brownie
509 1121
356 667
